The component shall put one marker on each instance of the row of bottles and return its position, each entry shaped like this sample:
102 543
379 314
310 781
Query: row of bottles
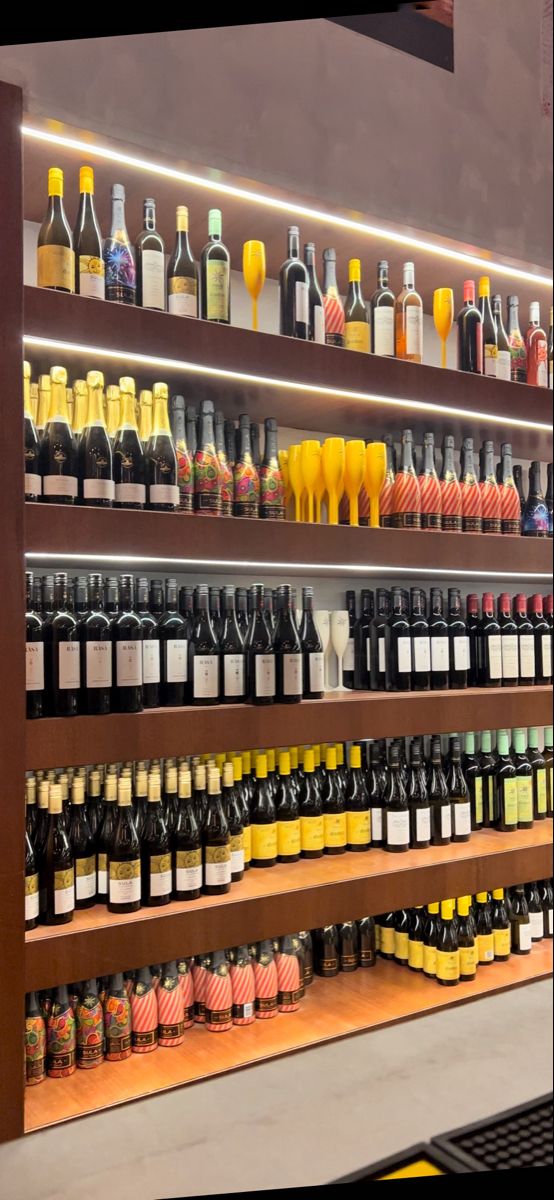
485 347
96 646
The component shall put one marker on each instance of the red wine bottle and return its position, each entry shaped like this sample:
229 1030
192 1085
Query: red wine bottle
396 809
490 343
316 323
489 643
537 348
543 641
459 641
382 314
470 332
127 636
421 644
473 624
294 291
509 642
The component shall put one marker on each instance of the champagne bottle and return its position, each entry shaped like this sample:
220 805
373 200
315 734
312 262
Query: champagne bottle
161 460
490 494
316 321
204 654
150 260
89 1017
535 511
55 257
34 648
216 842
184 462
472 507
243 987
226 480
430 487
44 403
145 414
87 241
58 449
246 478
144 1013
215 274
207 477
466 940
382 314
35 1041
406 500
294 291
386 511
510 507
95 453
83 847
332 303
123 857
121 275
451 495
182 272
128 453
61 1036
33 481
470 332
56 874
326 951
219 994
409 319
490 341
272 491
518 352
117 1020
156 872
356 318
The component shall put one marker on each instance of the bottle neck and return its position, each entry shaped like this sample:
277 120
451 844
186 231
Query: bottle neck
128 417
535 487
119 230
245 452
271 451
58 403
330 277
513 316
220 439
149 217
27 398
429 459
294 245
507 467
206 437
161 419
95 414
382 276
468 465
407 455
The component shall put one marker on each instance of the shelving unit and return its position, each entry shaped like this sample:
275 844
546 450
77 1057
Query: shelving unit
305 387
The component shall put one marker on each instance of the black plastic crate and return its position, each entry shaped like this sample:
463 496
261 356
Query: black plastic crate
517 1138
421 1160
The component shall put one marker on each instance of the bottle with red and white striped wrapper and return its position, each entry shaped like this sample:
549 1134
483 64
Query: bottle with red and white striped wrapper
429 487
510 504
171 1028
265 976
288 975
472 514
243 987
219 994
200 980
451 495
184 971
144 1013
490 494
385 495
332 304
406 511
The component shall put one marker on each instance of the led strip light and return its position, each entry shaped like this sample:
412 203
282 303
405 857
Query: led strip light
173 364
91 149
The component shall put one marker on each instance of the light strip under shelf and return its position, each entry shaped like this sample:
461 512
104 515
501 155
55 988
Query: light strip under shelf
92 149
173 364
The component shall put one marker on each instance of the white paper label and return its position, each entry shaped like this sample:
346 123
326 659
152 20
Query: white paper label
503 365
440 660
92 285
34 666
129 664
153 279
383 330
301 301
377 824
525 938
319 325
60 485
348 660
164 493
462 817
102 882
423 824
31 906
130 493
98 489
414 329
216 874
124 891
546 643
398 828
527 656
461 653
188 879
176 654
404 646
182 304
495 656
292 674
69 665
381 653
446 821
491 355
536 921
160 883
85 886
549 915
316 671
237 861
151 661
233 674
64 899
98 665
33 484
510 664
206 677
265 675
422 653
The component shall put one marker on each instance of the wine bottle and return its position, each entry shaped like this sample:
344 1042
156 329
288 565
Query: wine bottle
150 260
503 356
356 803
186 846
518 352
145 415
185 480
377 634
95 637
215 274
348 665
34 648
418 800
55 257
288 653
31 885
459 794
312 649
376 781
549 764
429 487
204 653
117 1020
536 916
182 272
509 642
421 643
172 634
128 454
409 319
332 303
470 332
61 640
123 856
356 317
537 348
513 784
547 901
510 507
104 839
87 242
473 632
406 500
127 636
439 801
156 863
149 612
540 794
121 274
500 926
263 818
396 810
95 453
56 870
272 491
535 512
483 926
312 836
431 926
58 449
33 481
335 833
439 640
60 1036
520 922
489 646
473 776
246 478
287 813
260 654
415 938
459 641
472 509
226 482
207 473
448 953
294 291
362 649
549 498
526 638
233 810
386 518
490 494
382 314
233 675
543 641
451 495
82 845
488 762
398 646
490 343
160 457
316 317
31 808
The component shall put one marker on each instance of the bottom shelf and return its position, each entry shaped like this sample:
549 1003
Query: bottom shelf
332 1009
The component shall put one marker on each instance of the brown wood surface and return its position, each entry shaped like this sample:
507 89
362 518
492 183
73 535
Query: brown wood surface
12 635
332 1009
159 732
295 895
125 329
287 545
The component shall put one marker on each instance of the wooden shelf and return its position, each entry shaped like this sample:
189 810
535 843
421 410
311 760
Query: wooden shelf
332 1009
159 732
201 344
284 547
296 895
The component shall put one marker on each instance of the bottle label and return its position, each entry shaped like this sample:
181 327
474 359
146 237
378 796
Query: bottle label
292 674
33 484
423 824
491 354
237 854
387 940
124 882
381 656
98 665
461 653
150 660
485 947
527 656
536 921
398 828
85 877
247 839
60 485
430 960
102 874
404 650
510 789
348 660
92 276
414 330
64 891
98 489
448 964
546 646
182 298
510 664
164 493
524 932
319 325
31 897
495 656
316 671
377 824
383 330
34 666
422 653
153 279
524 798
462 817
188 870
478 781
69 669
356 336
265 675
176 656
334 829
233 674
446 821
503 364
217 290
217 865
160 874
271 493
206 677
288 838
129 664
264 841
301 302
502 942
542 802
56 267
130 493
358 828
312 836
415 955
439 654
401 946
549 915
468 959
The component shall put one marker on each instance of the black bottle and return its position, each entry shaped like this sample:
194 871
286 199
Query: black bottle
534 515
376 780
543 641
421 643
489 646
366 942
34 647
348 946
294 291
58 448
349 653
263 823
418 800
204 653
160 459
288 652
382 314
31 886
520 922
149 609
173 633
440 645
95 634
233 674
526 639
459 794
508 642
123 855
260 655
312 649
441 810
83 847
362 644
316 323
56 866
396 811
33 481
470 332
186 846
473 776
214 605
128 452
473 633
377 646
156 873
61 651
127 650
96 486
398 646
326 951
459 641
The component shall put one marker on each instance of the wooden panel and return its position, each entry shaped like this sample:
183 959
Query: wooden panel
332 1009
159 732
86 322
310 549
296 895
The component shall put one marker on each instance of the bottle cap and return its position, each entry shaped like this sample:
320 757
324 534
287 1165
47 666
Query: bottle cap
58 375
118 191
160 391
463 905
55 798
309 762
284 763
433 907
55 181
534 313
469 291
502 744
228 775
498 894
154 788
123 790
354 270
488 602
355 756
533 738
536 605
329 255
339 747
95 379
331 758
484 286
86 180
293 751
261 766
182 218
214 222
170 781
447 910
469 743
271 759
520 603
548 735
482 897
548 604
473 604
78 790
504 602
127 385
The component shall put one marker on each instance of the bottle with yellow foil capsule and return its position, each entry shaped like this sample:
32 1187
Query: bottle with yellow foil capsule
33 401
161 460
87 242
448 953
55 258
415 938
243 789
466 939
44 400
95 451
288 817
145 416
58 449
113 409
501 929
334 815
483 925
216 840
356 802
402 937
430 933
80 406
312 838
490 337
356 316
263 819
128 454
33 482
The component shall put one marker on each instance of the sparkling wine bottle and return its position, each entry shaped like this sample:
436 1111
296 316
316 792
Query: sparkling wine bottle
405 495
429 487
472 509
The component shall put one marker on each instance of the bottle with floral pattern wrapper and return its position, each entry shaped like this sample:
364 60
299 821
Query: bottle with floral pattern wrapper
272 488
267 984
117 1020
200 981
35 1042
385 495
429 487
406 511
246 478
207 479
171 1029
90 1027
472 512
184 971
185 478
490 494
451 495
225 471
243 987
510 505
61 1036
144 1013
219 994
288 976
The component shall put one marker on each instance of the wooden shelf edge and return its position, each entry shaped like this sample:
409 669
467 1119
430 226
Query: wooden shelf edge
333 1009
